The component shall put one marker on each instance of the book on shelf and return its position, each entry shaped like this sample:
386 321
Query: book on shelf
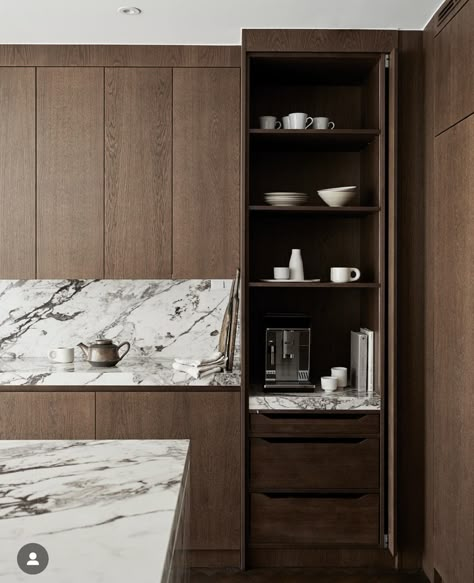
359 355
370 358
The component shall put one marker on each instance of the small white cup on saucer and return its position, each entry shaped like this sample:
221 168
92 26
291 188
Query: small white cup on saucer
329 384
61 355
281 273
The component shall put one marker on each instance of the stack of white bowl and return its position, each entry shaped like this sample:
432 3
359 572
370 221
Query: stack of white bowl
285 198
340 196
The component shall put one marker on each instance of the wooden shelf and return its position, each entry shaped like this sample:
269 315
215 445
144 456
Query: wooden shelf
344 140
313 209
313 284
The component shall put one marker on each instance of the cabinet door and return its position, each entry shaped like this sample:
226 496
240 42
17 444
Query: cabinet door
212 422
454 347
138 173
206 167
17 173
70 172
41 415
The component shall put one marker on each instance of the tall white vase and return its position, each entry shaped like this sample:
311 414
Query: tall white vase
296 265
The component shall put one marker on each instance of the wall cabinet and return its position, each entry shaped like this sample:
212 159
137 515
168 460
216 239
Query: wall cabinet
42 415
206 171
138 177
70 172
212 422
17 173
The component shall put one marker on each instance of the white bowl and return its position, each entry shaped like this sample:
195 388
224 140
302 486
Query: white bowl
337 197
338 188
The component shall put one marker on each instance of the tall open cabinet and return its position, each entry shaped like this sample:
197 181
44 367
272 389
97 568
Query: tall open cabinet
358 92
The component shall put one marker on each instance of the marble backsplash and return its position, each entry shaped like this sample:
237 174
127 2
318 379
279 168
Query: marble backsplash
164 318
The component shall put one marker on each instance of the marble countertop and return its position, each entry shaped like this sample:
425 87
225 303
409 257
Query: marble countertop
341 400
105 511
146 371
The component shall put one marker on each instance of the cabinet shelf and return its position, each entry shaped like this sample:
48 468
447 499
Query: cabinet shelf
314 209
313 284
345 140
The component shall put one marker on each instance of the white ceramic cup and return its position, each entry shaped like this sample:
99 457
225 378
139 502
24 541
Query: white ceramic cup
281 272
323 123
61 355
286 122
329 384
300 121
340 373
269 122
344 274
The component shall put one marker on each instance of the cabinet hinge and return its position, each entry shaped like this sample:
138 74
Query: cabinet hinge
387 61
385 541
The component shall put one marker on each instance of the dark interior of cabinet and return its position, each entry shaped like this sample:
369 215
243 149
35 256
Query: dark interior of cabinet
349 89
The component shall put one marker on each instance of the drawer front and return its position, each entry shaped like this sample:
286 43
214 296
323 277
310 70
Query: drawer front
312 423
312 463
314 520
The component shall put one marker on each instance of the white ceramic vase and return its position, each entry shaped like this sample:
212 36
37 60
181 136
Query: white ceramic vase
296 265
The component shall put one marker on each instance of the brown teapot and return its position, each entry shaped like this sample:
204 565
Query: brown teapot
103 352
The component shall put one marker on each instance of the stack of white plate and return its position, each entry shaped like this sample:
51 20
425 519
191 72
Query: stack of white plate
285 198
339 196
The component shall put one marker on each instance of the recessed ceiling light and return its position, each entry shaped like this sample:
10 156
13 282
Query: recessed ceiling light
129 10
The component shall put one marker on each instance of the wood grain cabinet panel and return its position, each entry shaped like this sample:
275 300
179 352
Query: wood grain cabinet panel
206 168
70 172
138 173
212 422
454 81
17 173
454 349
38 415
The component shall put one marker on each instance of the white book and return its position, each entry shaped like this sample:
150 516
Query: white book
370 358
359 361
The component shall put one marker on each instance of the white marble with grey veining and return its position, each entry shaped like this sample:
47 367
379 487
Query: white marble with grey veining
166 318
339 400
144 371
104 510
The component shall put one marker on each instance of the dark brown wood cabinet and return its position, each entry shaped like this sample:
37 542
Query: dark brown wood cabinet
138 175
70 172
17 173
206 171
47 415
212 422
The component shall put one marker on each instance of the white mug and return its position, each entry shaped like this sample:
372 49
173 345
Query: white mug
300 121
281 272
329 384
340 373
61 355
269 122
344 274
286 122
323 123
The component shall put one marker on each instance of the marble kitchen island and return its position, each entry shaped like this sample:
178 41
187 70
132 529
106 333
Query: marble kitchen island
105 511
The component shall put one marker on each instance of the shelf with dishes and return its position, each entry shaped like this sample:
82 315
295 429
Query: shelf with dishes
316 209
287 283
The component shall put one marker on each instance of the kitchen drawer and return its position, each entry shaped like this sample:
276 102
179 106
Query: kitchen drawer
314 463
314 423
311 519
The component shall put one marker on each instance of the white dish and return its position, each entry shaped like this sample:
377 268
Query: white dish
291 280
336 198
285 194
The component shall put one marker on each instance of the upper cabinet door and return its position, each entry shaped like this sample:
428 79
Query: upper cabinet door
70 172
138 171
17 173
206 172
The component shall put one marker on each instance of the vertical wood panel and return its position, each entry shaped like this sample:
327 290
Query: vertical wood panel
17 173
39 415
454 349
211 421
138 173
206 168
70 172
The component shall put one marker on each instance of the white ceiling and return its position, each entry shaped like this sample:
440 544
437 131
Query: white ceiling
194 21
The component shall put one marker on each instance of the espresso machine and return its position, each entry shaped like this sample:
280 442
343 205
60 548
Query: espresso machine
287 352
